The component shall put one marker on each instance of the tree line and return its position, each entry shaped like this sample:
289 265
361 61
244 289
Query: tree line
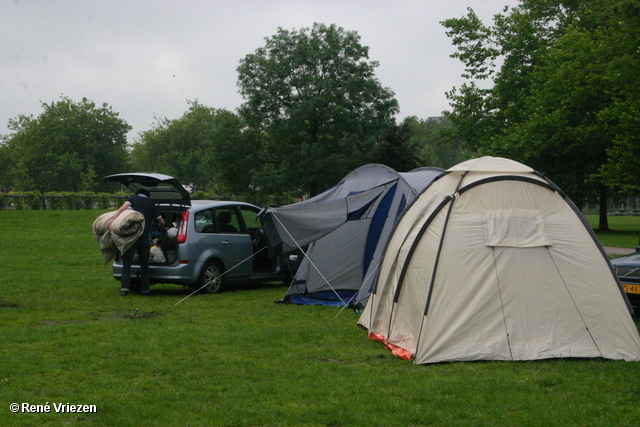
550 83
313 111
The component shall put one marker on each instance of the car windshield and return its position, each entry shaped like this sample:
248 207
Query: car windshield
161 191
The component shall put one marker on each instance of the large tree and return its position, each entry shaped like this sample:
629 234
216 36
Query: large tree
66 148
563 96
314 106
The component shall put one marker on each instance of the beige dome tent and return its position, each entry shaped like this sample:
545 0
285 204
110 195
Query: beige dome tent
493 262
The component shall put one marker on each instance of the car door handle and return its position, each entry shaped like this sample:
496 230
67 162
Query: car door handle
226 243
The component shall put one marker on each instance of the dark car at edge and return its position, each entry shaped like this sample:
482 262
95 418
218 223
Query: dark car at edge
627 268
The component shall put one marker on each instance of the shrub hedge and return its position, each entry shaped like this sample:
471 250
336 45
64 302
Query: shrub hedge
35 200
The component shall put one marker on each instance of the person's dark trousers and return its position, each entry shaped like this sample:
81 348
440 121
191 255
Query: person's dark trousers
142 246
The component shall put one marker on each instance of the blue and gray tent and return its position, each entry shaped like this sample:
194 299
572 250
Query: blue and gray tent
341 233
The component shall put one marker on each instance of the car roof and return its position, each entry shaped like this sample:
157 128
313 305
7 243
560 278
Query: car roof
163 188
203 204
627 259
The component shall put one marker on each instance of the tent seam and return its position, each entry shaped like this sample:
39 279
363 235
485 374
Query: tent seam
504 316
573 301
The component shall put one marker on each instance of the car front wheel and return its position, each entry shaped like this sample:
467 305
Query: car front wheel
211 278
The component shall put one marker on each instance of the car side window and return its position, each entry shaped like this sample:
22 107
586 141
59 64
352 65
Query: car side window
204 222
228 220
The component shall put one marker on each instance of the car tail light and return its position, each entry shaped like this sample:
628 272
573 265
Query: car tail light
182 232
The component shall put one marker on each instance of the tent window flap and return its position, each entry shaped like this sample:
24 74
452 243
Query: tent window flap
521 228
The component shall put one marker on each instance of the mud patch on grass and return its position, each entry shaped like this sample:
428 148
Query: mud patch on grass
62 322
7 304
340 361
135 314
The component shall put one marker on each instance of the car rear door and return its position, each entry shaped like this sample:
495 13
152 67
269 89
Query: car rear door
221 228
163 188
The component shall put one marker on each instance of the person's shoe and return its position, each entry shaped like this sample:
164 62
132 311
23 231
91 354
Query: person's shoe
124 293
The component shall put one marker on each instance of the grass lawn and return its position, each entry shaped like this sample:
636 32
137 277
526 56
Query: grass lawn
624 231
238 359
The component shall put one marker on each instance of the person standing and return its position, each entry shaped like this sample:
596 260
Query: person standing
142 203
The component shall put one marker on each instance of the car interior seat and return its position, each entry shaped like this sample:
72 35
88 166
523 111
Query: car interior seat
224 220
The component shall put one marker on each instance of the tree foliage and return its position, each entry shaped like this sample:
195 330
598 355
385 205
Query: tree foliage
436 143
395 149
564 97
235 155
314 106
67 147
185 147
420 142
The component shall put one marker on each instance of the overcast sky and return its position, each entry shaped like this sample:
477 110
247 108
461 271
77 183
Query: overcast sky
146 58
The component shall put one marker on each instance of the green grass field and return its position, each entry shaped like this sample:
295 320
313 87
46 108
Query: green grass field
624 231
238 359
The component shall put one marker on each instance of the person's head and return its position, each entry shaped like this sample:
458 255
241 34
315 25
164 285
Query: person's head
143 191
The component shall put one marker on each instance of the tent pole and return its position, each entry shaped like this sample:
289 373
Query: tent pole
306 256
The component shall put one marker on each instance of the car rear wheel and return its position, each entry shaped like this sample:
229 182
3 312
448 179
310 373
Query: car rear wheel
211 278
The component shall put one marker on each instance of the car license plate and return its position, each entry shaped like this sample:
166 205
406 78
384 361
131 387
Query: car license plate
631 289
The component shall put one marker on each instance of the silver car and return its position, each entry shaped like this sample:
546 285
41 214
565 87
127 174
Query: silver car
205 244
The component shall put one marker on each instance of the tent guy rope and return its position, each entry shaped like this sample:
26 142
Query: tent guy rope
241 262
310 260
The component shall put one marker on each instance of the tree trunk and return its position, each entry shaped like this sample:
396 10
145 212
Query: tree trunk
603 223
314 188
